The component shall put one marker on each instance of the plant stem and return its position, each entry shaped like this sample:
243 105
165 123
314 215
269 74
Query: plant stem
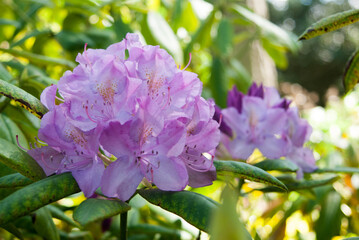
123 226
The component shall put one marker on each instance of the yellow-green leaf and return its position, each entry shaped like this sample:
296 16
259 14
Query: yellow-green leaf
26 100
331 23
351 73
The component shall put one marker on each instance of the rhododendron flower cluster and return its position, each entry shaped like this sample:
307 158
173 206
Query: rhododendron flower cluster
263 120
125 114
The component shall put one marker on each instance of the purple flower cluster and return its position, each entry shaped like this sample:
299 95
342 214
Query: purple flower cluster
118 119
263 120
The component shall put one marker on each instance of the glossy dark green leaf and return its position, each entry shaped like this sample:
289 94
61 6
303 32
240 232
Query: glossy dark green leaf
44 224
11 228
331 23
37 195
40 59
59 214
164 35
25 99
351 73
195 208
14 180
278 165
100 209
246 171
13 157
338 169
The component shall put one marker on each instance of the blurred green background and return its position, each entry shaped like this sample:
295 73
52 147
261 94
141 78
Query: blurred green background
232 43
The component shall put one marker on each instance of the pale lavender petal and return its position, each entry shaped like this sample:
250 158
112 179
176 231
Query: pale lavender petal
201 179
273 147
171 175
89 177
48 97
48 158
121 178
115 139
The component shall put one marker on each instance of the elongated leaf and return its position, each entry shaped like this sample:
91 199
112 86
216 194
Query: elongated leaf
40 59
14 180
57 213
352 238
218 81
164 35
15 158
11 228
9 130
338 169
153 229
4 73
36 195
100 209
30 35
44 224
302 184
331 23
25 99
195 208
277 164
224 36
247 171
269 30
351 73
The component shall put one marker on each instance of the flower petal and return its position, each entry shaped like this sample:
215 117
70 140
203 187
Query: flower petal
121 178
89 178
171 175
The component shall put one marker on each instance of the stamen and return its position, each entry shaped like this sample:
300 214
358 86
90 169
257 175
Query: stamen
190 58
61 100
87 59
18 143
44 162
39 141
88 115
220 119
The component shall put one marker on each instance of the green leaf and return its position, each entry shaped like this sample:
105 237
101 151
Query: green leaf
9 129
337 169
303 184
247 171
272 32
352 238
218 81
57 213
36 195
4 73
14 180
223 41
195 208
203 35
100 209
40 59
34 33
25 99
226 222
331 23
44 224
351 73
150 229
277 164
11 228
13 157
164 35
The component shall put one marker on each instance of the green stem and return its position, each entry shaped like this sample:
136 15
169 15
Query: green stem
123 226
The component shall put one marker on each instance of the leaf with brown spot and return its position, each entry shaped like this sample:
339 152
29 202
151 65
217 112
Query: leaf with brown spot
24 99
351 73
331 23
